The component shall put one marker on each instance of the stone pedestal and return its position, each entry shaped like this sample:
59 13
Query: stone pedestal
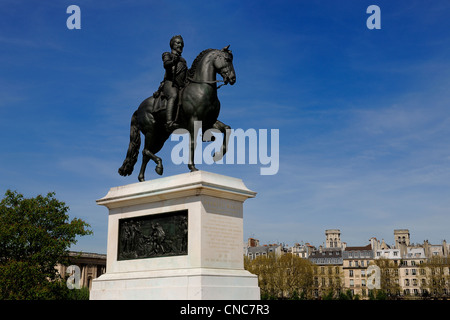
211 264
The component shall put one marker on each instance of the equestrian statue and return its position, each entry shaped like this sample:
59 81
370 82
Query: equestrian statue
183 97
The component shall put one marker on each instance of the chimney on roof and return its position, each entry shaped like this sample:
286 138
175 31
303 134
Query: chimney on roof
253 242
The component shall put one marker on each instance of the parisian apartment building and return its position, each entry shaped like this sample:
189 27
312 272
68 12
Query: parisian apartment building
405 269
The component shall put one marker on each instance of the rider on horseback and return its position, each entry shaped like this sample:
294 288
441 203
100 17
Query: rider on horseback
174 78
200 104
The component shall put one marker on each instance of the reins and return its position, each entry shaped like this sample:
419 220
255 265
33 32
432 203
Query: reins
207 81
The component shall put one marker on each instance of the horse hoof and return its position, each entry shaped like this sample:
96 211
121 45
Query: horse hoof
159 170
192 168
141 179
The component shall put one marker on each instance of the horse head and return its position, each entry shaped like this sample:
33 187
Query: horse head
224 65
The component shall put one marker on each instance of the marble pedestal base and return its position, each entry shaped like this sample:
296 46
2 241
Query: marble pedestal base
211 268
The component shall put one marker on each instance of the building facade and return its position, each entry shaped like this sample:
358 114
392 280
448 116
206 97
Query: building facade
328 272
92 265
302 250
356 260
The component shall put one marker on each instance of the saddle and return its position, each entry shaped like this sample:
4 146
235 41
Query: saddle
159 103
160 100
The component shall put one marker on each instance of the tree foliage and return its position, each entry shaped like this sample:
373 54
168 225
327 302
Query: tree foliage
35 235
283 277
328 282
436 277
389 280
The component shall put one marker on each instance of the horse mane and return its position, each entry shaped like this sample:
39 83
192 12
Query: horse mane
191 71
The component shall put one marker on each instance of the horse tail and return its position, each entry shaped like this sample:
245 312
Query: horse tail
133 149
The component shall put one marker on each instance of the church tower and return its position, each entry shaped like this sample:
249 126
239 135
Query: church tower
333 238
401 236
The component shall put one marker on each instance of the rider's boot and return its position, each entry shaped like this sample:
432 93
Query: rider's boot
170 124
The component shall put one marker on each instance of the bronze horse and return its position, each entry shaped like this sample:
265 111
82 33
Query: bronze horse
199 102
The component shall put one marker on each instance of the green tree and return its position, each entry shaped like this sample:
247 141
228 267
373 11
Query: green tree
435 281
389 280
347 295
265 268
329 281
296 276
35 235
282 277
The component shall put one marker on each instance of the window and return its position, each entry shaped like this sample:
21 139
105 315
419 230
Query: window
395 253
352 283
350 273
363 282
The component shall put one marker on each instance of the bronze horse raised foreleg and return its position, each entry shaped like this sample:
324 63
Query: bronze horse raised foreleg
225 130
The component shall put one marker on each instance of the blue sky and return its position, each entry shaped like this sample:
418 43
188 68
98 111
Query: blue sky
363 115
